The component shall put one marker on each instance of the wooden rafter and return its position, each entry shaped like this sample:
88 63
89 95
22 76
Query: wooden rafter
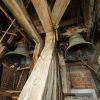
43 12
58 10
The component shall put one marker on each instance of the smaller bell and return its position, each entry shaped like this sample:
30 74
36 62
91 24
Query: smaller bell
19 56
77 44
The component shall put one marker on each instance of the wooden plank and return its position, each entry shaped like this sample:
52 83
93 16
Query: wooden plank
55 81
24 68
50 82
55 93
3 93
9 93
36 54
43 12
64 74
94 59
35 85
58 10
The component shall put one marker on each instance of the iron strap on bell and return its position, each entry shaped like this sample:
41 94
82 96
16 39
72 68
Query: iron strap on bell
77 42
19 56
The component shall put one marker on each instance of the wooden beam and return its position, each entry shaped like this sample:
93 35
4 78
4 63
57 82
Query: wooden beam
64 22
9 93
58 10
88 8
69 21
65 78
35 86
41 6
43 12
35 56
3 93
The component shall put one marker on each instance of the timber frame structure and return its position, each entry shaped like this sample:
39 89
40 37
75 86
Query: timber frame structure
45 25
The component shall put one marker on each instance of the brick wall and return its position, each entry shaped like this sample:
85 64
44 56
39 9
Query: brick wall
81 78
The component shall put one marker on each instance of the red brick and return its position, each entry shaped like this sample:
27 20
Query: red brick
81 79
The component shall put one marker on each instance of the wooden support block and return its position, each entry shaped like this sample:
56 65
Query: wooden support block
20 69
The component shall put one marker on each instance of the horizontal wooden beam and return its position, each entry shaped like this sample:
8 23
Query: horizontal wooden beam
68 21
64 22
9 93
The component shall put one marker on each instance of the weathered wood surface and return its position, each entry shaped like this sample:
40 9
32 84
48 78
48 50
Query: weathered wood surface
97 53
35 57
43 12
7 77
58 10
9 93
65 78
35 86
40 83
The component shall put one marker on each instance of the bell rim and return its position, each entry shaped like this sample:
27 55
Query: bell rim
11 52
80 43
11 62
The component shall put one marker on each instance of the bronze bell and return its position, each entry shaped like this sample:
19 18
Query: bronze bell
19 56
77 44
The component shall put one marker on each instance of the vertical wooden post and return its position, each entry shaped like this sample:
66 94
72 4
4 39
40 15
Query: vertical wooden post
65 79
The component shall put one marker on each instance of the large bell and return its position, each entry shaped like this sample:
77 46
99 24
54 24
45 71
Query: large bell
19 56
78 45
